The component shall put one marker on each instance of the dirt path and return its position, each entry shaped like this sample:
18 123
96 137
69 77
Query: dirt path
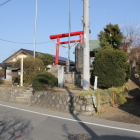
125 114
121 114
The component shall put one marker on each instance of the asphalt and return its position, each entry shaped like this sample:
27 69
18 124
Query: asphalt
23 122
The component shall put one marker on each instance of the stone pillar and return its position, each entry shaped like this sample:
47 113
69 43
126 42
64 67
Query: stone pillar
95 82
61 76
58 71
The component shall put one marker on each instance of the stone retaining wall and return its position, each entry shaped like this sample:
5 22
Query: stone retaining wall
16 94
63 102
66 102
9 94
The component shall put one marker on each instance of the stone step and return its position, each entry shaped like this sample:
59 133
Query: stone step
22 99
27 92
7 82
25 95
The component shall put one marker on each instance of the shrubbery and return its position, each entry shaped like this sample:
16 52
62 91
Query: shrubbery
111 67
121 94
31 67
44 80
1 81
47 59
1 73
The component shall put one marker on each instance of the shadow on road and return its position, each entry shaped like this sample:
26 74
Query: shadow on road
132 106
71 111
14 128
90 135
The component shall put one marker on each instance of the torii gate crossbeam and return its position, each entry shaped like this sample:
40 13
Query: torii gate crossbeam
58 36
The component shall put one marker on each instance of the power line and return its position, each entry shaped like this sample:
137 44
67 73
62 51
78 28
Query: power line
23 42
5 2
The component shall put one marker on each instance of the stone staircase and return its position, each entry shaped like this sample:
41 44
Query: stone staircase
24 93
24 97
7 82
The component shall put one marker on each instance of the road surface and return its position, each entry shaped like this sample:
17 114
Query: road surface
23 122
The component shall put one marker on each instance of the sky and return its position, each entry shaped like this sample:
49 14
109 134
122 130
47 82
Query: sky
17 20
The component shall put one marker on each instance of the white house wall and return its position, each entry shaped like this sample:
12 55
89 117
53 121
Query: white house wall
18 57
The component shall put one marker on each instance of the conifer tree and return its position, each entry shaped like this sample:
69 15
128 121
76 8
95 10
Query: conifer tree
111 36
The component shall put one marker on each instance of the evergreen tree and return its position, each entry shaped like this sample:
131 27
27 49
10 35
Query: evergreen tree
111 67
111 36
46 58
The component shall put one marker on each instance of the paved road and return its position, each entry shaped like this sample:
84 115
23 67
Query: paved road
22 122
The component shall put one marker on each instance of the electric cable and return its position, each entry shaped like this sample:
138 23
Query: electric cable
5 2
22 42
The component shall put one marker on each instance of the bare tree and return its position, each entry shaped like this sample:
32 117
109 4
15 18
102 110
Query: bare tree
132 35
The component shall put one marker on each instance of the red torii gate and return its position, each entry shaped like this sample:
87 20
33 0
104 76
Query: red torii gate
58 36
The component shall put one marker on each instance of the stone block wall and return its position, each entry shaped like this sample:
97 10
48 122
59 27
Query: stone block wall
69 78
16 94
67 102
73 78
10 94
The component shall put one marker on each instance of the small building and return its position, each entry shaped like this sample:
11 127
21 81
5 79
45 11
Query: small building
93 47
15 73
7 63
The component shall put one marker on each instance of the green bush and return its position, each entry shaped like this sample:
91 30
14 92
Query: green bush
46 58
121 94
111 67
31 67
1 73
1 81
44 80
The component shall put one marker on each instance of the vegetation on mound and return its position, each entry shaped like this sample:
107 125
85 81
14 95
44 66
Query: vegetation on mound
44 80
32 66
111 67
1 81
120 94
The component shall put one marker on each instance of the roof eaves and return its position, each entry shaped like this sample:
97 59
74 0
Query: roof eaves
21 50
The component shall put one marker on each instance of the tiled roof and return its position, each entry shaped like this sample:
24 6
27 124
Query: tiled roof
2 65
94 45
29 52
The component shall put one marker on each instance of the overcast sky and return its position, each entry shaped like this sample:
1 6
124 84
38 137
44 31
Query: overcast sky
17 22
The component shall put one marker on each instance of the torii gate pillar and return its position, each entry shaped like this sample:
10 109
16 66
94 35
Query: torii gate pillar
58 36
57 51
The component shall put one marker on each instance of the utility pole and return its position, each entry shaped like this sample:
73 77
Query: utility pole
35 27
21 72
68 61
86 62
